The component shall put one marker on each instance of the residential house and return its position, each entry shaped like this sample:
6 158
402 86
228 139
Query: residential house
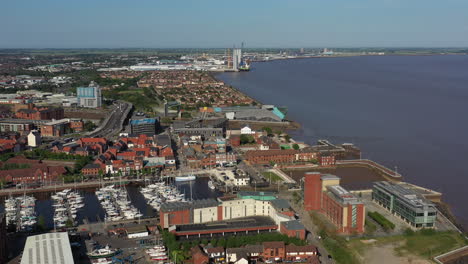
198 255
274 251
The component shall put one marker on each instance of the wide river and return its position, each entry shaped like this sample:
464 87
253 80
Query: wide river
409 112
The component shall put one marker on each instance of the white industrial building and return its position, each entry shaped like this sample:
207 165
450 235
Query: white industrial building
48 248
137 231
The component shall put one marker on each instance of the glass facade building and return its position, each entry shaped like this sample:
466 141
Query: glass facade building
406 203
89 96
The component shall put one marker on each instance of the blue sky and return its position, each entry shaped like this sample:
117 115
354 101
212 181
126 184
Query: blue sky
218 23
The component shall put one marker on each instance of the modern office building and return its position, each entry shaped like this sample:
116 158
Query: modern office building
144 126
16 125
89 96
323 193
411 206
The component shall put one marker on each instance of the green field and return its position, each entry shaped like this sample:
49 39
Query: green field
273 176
424 243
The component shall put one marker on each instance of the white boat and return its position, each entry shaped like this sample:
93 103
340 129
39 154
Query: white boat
102 253
185 178
211 185
102 261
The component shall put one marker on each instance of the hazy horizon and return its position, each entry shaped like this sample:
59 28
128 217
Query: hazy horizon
260 24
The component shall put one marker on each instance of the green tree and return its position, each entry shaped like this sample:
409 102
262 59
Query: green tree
295 146
222 242
268 130
246 139
89 126
186 115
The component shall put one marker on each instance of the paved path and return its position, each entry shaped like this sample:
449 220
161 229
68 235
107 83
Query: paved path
309 225
58 187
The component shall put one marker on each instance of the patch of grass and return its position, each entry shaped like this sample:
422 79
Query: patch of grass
370 227
381 220
429 243
341 253
425 243
336 245
131 91
273 176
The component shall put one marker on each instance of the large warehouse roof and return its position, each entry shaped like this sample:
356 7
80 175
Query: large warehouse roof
47 248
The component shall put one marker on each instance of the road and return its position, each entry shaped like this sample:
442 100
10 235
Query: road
306 220
113 124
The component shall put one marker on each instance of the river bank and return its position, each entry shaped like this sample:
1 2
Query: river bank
353 100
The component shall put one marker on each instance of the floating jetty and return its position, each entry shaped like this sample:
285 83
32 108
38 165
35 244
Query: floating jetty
159 192
66 204
116 204
20 211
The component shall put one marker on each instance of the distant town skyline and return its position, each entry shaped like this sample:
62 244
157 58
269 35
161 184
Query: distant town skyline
215 24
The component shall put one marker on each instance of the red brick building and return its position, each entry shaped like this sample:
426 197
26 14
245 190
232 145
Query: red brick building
312 191
98 145
327 160
76 125
303 254
293 229
40 113
267 156
274 250
91 169
323 193
174 214
35 173
198 255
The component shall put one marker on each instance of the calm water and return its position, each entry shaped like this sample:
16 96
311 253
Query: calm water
404 111
93 211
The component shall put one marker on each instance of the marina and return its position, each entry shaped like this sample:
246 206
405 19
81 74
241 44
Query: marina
116 203
83 205
66 204
20 212
159 192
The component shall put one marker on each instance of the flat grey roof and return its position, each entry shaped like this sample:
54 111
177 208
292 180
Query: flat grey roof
293 225
253 221
47 248
342 195
329 177
177 206
409 196
280 203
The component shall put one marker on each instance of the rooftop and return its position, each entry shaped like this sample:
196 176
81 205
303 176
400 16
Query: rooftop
239 223
293 225
136 229
177 206
273 244
329 177
47 248
342 195
280 204
408 195
143 121
257 195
